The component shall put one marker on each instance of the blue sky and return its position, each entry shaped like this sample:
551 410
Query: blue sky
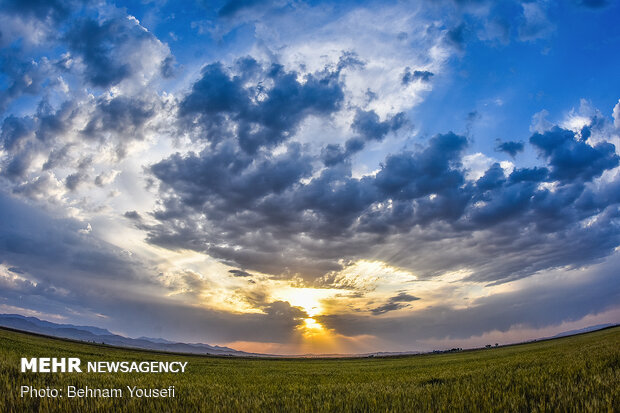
293 177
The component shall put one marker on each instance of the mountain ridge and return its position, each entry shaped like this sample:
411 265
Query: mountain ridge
104 336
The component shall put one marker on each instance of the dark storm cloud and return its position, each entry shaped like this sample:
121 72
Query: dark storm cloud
572 159
229 178
264 212
333 154
512 148
369 128
213 93
535 174
493 178
264 114
38 188
96 43
103 51
394 303
391 306
368 125
264 216
414 175
350 59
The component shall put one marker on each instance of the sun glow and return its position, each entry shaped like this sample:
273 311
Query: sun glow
312 328
308 299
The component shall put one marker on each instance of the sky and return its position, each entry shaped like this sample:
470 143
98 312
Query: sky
295 177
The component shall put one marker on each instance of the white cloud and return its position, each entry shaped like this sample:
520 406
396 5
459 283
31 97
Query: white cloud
576 119
535 24
376 36
476 165
539 123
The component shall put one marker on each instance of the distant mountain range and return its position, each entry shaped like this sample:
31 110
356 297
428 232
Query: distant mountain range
103 336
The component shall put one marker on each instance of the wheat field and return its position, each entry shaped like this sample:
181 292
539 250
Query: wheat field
579 373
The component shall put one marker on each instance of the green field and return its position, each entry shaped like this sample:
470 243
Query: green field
578 373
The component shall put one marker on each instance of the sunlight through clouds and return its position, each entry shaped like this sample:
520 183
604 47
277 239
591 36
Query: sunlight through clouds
305 177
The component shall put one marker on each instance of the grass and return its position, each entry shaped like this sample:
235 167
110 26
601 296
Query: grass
578 373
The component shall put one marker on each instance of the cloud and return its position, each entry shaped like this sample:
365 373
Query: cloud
95 43
57 267
296 220
391 306
120 120
55 250
240 273
264 196
616 115
394 303
510 147
558 297
368 128
403 297
55 10
72 181
409 176
52 122
24 76
116 49
367 124
535 24
570 158
297 164
15 130
32 23
261 116
421 75
133 215
540 124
